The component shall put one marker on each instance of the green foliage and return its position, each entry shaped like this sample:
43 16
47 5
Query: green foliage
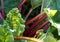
5 34
48 36
54 17
52 4
12 26
41 34
58 41
36 3
10 4
15 21
49 39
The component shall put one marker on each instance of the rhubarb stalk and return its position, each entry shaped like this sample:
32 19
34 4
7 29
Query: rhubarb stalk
33 19
35 24
21 4
40 27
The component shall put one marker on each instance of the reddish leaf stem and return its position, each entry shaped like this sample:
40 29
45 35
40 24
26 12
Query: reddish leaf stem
40 27
3 11
35 24
33 19
21 4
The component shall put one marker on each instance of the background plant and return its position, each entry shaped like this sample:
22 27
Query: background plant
50 7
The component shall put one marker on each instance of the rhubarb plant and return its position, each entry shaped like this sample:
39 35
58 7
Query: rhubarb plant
13 25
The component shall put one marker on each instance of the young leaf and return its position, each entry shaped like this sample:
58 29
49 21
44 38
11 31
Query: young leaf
5 35
53 12
15 22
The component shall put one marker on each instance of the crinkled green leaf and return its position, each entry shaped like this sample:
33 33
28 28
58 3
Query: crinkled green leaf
15 22
22 28
22 21
5 35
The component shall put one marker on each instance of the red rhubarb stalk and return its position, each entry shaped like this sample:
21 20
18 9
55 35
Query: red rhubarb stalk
21 4
40 27
33 19
30 28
